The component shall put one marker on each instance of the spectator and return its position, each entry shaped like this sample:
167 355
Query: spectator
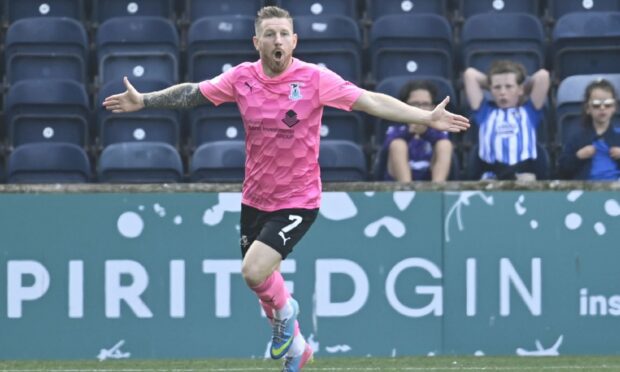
593 151
507 125
417 152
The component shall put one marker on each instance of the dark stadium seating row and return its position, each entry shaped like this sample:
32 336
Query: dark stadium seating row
51 120
422 44
380 44
156 162
98 11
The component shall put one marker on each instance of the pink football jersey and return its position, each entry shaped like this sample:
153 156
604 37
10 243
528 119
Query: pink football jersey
282 119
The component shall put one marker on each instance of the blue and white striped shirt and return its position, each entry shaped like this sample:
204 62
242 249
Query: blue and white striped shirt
507 135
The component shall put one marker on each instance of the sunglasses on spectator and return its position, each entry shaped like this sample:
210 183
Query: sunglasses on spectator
598 103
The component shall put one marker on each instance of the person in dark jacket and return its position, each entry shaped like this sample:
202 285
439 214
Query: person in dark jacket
593 151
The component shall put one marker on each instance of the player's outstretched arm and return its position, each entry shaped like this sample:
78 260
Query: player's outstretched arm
180 96
389 108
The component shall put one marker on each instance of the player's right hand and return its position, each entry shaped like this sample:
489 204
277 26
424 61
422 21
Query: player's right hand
128 101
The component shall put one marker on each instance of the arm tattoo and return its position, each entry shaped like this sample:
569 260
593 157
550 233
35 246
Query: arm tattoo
179 96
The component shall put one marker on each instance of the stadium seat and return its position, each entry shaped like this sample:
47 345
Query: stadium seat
44 8
209 124
215 44
558 8
518 37
392 86
107 9
342 161
48 163
197 9
332 41
379 8
47 110
140 162
467 8
2 164
416 44
569 102
342 125
586 43
152 125
144 47
347 8
46 47
219 161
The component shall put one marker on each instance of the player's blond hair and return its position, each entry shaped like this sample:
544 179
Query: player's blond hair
268 12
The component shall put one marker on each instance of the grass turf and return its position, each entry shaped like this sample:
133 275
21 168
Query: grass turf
437 364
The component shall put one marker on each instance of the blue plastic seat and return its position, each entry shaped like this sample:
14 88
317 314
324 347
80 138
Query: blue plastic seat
342 161
379 8
392 86
215 44
208 123
558 8
197 9
586 43
332 41
48 163
2 163
106 9
47 110
347 8
488 37
18 9
152 125
416 44
143 47
569 102
219 161
467 8
46 47
342 125
140 162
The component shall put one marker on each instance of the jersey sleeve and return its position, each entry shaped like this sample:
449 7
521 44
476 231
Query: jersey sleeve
395 131
535 114
336 92
482 113
433 135
219 89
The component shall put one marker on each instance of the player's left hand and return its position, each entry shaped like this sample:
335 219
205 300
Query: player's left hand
441 119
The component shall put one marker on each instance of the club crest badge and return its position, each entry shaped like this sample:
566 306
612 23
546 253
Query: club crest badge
295 94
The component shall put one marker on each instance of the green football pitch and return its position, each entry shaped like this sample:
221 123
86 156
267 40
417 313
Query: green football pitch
437 364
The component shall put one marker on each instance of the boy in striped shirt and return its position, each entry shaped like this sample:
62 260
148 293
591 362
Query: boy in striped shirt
507 124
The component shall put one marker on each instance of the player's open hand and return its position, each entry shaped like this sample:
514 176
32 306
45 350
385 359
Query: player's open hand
128 101
442 119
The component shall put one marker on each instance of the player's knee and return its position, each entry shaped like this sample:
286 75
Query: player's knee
252 274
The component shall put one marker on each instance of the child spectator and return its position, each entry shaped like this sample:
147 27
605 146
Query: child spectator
417 152
593 151
507 124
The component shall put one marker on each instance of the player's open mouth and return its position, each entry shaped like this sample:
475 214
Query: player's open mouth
278 54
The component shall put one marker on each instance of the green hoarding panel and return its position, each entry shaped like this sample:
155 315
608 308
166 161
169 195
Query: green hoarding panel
157 275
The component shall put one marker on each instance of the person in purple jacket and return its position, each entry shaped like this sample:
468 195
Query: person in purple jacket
417 152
